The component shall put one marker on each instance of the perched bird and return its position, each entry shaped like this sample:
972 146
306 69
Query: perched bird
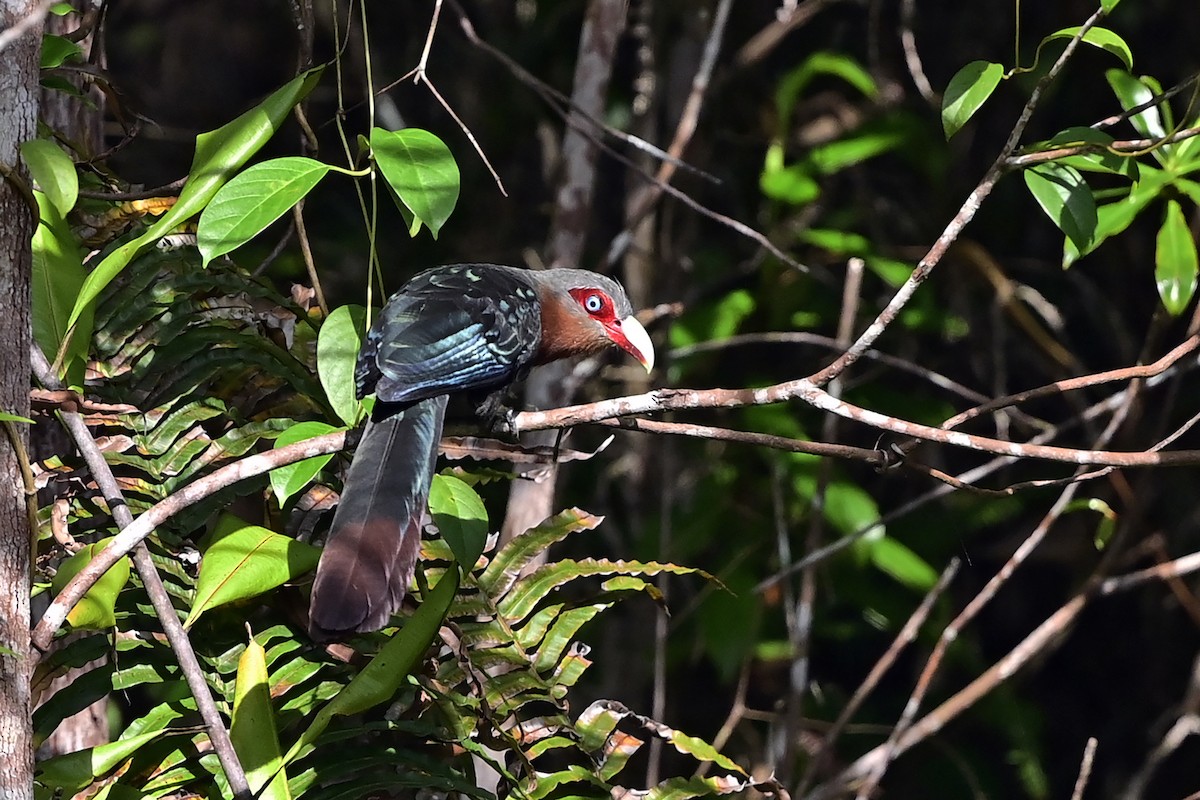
459 328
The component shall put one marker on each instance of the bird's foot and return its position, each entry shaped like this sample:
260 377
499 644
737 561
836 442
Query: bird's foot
497 415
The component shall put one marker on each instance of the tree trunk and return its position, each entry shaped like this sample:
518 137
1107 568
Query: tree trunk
18 118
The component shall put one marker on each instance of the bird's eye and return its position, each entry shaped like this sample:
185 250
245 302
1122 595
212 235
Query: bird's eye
593 303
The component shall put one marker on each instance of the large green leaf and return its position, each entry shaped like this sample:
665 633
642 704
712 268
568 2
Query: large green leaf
96 609
219 154
252 200
967 91
291 478
253 727
73 772
1133 92
460 517
1064 195
1112 218
1101 38
58 275
337 355
1175 263
243 561
421 170
53 172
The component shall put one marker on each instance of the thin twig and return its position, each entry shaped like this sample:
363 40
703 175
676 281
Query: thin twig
906 636
310 264
684 130
912 59
1085 768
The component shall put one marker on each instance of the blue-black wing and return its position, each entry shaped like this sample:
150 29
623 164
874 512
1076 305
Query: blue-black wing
455 328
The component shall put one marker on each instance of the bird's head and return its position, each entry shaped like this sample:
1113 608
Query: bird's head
583 312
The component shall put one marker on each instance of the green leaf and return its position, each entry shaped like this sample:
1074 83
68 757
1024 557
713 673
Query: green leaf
58 274
967 91
1132 92
57 50
1102 38
380 679
253 727
866 144
53 172
792 184
1064 195
219 154
1108 5
460 518
251 201
818 64
244 561
73 772
897 560
96 609
289 479
1175 264
513 557
1189 188
338 344
421 171
1115 217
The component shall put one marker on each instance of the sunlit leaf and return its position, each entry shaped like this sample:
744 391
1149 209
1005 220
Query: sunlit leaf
1102 38
73 772
1066 198
421 171
460 517
252 200
900 562
96 610
57 50
53 172
1175 263
1132 92
338 344
791 184
244 561
291 478
1113 218
967 91
253 729
58 274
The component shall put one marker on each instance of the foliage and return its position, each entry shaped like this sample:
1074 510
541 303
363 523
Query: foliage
196 364
820 135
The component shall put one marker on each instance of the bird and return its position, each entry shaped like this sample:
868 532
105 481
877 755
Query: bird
460 328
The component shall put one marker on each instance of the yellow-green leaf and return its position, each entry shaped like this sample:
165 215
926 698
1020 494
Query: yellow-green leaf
253 728
96 609
243 561
1175 262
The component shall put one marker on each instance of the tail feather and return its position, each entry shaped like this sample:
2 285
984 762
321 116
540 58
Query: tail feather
375 537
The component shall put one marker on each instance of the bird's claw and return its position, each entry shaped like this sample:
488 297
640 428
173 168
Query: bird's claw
499 418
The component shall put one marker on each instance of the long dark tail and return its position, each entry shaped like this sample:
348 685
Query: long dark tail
373 543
